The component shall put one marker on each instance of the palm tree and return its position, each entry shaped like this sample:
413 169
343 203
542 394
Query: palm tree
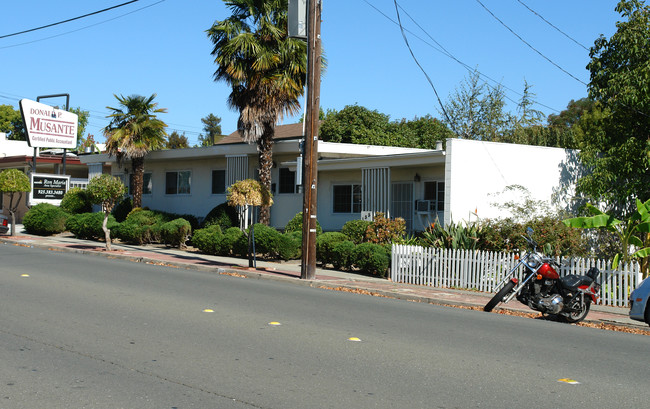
133 132
266 70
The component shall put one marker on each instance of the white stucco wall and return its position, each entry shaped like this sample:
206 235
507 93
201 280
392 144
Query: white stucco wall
477 172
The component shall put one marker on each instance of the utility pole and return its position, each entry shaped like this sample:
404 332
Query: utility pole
310 157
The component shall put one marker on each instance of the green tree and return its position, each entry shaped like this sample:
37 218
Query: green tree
11 123
476 111
265 69
355 124
13 181
212 129
134 131
106 190
619 152
176 141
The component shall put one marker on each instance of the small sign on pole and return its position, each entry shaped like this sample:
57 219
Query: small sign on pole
48 127
48 188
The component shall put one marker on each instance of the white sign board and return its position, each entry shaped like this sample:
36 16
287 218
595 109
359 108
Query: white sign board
48 127
48 188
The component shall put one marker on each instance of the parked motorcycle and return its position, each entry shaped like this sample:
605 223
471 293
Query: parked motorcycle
542 288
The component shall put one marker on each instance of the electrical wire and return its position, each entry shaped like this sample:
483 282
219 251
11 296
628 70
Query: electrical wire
68 20
551 24
442 107
83 28
445 52
530 46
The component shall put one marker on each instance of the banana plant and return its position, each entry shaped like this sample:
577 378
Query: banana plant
635 231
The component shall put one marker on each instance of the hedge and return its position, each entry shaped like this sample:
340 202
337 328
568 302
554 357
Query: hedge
45 219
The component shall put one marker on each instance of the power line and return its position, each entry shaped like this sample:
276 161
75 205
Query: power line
68 20
551 24
530 46
83 28
399 20
445 52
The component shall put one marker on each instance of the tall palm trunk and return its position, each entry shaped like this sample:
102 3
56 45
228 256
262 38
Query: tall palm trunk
265 157
138 175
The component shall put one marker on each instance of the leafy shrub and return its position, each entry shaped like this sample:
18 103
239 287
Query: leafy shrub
223 215
290 246
356 230
76 200
371 258
556 238
342 255
235 241
295 224
205 239
266 239
45 219
325 245
88 226
141 226
176 232
122 209
385 230
452 236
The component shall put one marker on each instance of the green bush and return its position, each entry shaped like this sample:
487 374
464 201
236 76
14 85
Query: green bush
371 258
141 226
295 224
235 241
76 200
342 255
266 240
223 215
88 226
356 230
325 245
206 239
45 219
176 232
122 209
290 246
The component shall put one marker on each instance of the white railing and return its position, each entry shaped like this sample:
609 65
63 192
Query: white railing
483 270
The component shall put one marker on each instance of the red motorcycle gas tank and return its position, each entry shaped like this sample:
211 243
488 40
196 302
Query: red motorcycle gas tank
548 272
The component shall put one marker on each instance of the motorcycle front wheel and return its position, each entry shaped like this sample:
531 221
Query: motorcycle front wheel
503 292
578 312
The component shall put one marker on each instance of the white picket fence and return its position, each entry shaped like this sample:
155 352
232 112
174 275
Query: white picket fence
483 270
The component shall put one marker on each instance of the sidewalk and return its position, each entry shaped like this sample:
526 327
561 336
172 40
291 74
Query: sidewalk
599 316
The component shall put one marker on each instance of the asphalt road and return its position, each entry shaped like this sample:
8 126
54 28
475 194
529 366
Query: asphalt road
80 331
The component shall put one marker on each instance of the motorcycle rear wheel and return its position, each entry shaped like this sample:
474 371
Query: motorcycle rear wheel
577 316
503 292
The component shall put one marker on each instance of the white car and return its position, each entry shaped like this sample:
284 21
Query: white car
4 224
639 306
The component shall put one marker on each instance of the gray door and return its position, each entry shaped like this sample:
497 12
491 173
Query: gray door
402 202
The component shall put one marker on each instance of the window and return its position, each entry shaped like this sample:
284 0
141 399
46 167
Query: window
146 184
347 198
435 192
218 182
287 181
178 183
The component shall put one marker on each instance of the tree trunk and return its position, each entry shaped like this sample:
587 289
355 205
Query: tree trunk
107 233
265 156
138 175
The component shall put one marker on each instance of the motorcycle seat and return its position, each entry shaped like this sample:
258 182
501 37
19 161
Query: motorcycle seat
573 281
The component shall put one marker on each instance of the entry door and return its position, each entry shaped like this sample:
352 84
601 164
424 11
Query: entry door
402 202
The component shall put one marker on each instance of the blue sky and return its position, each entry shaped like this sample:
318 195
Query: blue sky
154 46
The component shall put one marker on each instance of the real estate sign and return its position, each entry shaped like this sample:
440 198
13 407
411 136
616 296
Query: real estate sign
48 188
48 127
